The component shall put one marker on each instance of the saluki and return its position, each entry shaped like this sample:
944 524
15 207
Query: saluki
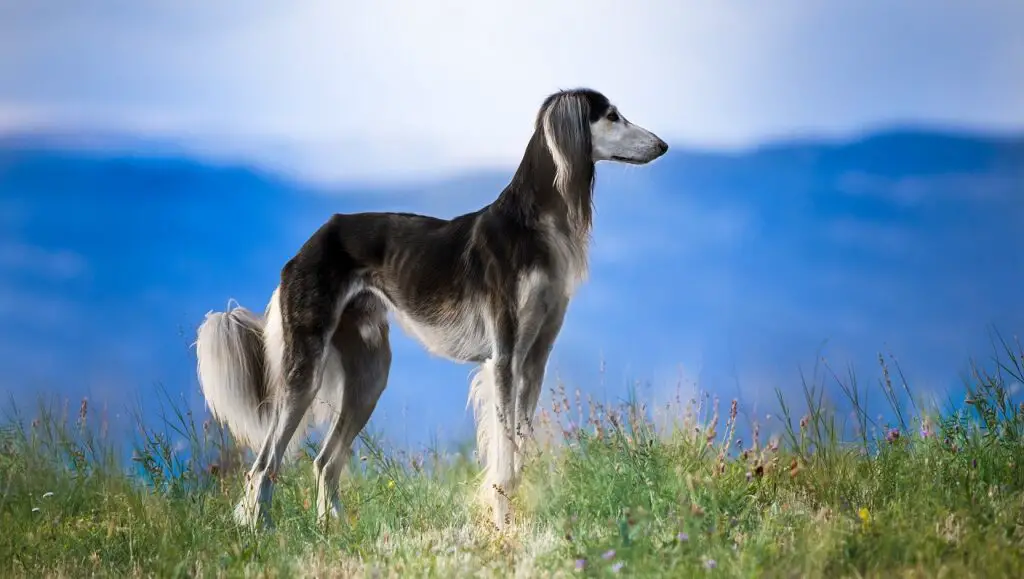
489 287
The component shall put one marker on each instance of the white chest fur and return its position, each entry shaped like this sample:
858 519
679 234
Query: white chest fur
570 253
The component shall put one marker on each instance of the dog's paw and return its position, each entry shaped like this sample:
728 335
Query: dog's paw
253 517
329 511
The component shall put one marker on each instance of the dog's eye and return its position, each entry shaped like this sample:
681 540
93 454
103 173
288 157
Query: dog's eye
612 116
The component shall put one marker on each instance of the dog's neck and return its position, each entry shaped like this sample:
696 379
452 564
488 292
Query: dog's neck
532 195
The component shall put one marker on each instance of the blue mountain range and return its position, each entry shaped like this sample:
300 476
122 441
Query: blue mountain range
732 269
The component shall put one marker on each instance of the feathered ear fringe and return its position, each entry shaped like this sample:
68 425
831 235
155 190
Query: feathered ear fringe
567 135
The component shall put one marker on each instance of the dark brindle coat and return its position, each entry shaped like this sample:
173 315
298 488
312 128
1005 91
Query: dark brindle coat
489 287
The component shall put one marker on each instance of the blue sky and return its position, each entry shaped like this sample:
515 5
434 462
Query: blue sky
342 90
724 263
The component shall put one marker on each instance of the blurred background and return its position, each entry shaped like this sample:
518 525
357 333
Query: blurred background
846 179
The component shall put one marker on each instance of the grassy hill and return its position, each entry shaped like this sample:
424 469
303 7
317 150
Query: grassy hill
629 490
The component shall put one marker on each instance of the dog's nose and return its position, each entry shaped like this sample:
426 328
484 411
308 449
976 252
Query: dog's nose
662 147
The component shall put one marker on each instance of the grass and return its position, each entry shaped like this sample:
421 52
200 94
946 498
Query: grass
624 490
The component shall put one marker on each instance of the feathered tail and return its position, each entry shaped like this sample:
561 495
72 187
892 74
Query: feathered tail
238 353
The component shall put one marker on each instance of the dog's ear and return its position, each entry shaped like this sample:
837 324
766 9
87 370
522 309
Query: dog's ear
566 127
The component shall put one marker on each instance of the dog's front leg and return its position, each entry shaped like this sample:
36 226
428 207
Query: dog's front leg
501 479
540 320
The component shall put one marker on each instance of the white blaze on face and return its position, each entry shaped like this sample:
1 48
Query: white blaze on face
616 139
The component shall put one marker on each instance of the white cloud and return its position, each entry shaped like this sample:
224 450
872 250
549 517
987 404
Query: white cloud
393 88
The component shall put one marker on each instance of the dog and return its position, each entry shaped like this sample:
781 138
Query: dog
489 287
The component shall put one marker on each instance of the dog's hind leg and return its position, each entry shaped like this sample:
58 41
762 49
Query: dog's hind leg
363 344
312 295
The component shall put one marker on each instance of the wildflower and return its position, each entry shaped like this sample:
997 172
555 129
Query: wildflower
580 564
683 537
892 436
617 567
391 484
750 476
865 517
609 554
710 564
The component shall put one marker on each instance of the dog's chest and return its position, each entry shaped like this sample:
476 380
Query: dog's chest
569 256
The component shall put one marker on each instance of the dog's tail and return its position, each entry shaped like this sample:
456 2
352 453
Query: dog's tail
238 353
482 397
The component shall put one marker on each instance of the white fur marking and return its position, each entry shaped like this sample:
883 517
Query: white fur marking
463 336
529 283
623 141
370 332
569 111
273 342
570 254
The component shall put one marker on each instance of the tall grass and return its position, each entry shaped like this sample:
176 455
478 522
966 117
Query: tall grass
680 490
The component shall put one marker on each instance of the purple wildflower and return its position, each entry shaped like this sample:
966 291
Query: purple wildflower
892 436
580 564
609 554
683 537
618 566
710 564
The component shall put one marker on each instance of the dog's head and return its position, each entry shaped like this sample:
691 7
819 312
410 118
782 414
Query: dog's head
583 123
